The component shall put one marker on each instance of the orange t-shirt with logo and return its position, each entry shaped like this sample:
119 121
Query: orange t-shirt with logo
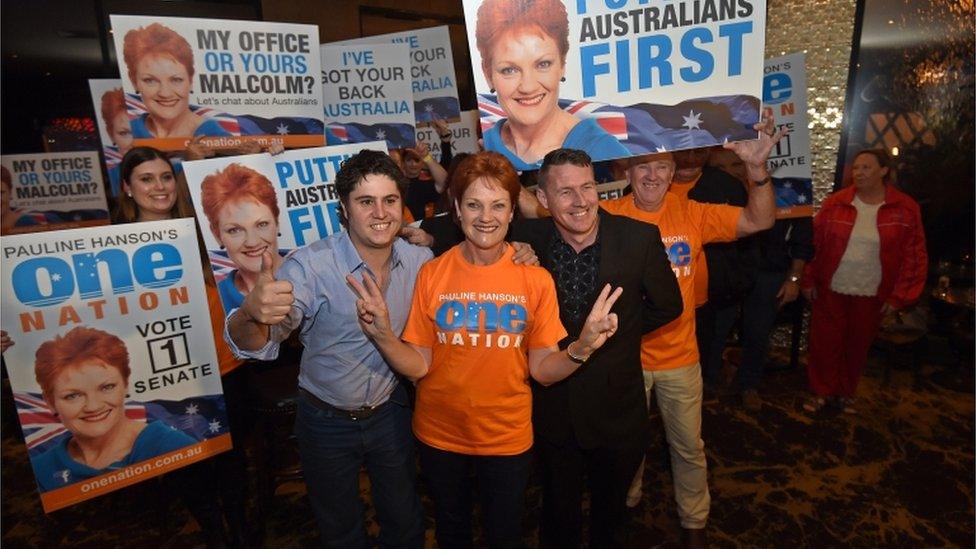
480 323
682 188
685 226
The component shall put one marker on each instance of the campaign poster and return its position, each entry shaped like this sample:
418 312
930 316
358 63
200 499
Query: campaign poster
113 366
615 78
434 84
228 81
785 98
464 136
51 191
112 119
367 94
252 204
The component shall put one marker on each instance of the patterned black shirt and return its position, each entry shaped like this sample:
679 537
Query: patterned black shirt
575 276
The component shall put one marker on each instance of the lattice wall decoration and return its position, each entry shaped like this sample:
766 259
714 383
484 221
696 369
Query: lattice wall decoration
893 129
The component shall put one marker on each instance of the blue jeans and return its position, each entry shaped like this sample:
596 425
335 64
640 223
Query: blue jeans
333 448
501 485
758 316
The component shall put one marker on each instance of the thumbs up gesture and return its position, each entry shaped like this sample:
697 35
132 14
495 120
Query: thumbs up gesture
270 301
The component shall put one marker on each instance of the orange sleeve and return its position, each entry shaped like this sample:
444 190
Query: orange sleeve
717 222
547 330
407 216
419 329
226 361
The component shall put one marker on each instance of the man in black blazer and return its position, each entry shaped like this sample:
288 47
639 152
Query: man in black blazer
594 423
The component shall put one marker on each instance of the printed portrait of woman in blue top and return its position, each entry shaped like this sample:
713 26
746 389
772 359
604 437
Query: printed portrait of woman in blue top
523 46
84 378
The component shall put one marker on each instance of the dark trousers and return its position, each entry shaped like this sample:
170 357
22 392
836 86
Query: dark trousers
609 472
713 323
334 447
501 486
758 316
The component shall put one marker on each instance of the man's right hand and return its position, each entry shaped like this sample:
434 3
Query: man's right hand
270 301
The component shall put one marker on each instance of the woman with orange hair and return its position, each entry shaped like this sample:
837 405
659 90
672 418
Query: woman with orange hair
160 66
117 126
479 328
523 46
242 209
84 377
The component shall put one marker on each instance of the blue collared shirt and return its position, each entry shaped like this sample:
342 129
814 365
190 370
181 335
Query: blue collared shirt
340 365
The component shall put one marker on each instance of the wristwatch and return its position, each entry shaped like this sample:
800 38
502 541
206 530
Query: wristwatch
794 278
575 358
765 180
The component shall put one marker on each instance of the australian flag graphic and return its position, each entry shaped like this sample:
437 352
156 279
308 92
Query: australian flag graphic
437 108
397 136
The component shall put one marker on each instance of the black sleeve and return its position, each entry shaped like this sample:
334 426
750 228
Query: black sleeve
447 154
662 299
445 231
801 239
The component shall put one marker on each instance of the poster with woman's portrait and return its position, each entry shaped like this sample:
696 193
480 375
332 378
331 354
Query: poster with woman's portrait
112 119
51 191
785 98
228 81
110 352
615 78
256 208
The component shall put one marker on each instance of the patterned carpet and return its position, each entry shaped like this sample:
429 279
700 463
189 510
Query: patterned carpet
900 473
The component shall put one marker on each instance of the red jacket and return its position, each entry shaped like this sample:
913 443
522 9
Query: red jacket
904 260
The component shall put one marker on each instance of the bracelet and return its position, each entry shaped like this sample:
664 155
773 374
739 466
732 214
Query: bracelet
428 158
445 137
575 358
766 180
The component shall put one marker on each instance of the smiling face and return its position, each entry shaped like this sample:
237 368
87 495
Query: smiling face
120 133
374 212
525 69
412 164
485 211
867 172
164 84
153 188
246 228
89 398
649 177
570 195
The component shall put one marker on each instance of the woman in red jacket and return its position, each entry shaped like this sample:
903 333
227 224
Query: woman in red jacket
870 261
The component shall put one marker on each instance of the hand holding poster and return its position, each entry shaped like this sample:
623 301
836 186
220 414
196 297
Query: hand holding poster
113 366
232 81
785 97
367 94
50 191
434 83
248 205
614 78
464 136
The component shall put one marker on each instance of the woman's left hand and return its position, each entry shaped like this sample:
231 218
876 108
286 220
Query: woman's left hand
524 254
601 323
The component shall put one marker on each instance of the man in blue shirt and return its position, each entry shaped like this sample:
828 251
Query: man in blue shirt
352 410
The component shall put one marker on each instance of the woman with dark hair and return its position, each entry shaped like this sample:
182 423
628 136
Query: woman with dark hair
523 46
150 189
870 262
479 328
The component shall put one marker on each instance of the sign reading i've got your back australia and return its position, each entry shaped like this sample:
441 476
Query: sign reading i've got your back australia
229 81
639 76
112 348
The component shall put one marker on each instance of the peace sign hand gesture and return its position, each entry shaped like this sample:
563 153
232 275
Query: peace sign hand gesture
371 310
600 323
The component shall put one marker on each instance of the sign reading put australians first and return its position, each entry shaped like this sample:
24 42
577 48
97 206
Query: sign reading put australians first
256 204
367 93
615 77
229 81
112 366
50 191
785 98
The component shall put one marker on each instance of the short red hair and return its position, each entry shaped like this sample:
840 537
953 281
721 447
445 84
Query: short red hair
497 17
235 182
155 39
113 104
80 344
488 165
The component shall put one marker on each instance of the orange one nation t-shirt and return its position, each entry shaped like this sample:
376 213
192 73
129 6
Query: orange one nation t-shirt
480 323
685 227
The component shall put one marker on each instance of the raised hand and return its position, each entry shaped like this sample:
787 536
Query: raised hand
600 323
440 126
422 149
755 152
196 150
5 341
374 318
270 300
